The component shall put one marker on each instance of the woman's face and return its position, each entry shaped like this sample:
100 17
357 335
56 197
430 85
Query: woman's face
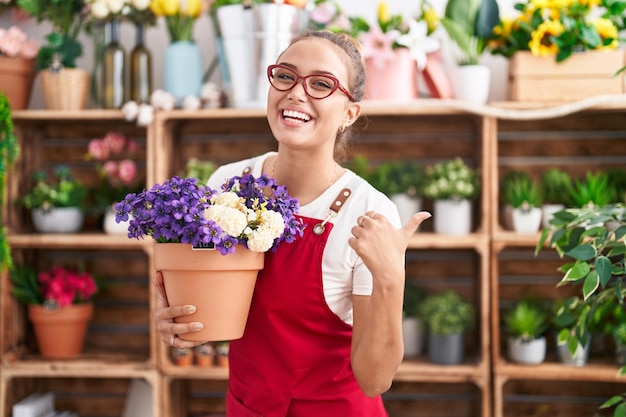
301 121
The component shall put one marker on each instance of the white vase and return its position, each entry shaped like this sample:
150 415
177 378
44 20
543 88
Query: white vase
452 217
529 352
110 226
548 211
580 356
407 205
57 220
526 220
471 83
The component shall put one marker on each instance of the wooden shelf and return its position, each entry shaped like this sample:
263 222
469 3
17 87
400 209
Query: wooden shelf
81 240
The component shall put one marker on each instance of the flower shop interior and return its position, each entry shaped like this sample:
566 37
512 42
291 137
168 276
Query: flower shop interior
506 116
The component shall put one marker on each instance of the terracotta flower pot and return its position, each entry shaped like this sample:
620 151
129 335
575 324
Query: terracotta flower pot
220 286
16 80
60 332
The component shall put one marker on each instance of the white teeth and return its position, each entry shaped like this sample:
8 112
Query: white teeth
296 115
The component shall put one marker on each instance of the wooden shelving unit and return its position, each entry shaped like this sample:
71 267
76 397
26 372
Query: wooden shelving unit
481 266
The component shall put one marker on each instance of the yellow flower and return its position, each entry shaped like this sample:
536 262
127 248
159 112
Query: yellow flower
503 30
607 30
540 43
164 7
431 18
192 8
384 15
590 3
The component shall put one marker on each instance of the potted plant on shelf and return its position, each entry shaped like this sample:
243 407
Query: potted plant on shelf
56 204
65 86
525 325
9 151
556 188
118 176
594 190
470 23
617 181
59 305
452 185
592 238
17 66
447 317
524 197
413 329
403 182
249 217
572 336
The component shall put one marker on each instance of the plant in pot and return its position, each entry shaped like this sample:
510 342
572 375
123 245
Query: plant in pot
524 196
117 171
592 239
525 324
59 305
452 185
247 218
447 317
507 210
56 204
17 66
403 182
556 188
470 23
9 151
594 190
65 86
617 181
413 329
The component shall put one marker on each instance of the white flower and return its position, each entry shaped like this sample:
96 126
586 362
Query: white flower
145 115
227 199
191 103
161 99
99 9
116 6
418 42
261 240
140 4
273 222
231 220
130 110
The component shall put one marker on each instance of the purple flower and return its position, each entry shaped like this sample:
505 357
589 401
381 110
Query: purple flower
175 212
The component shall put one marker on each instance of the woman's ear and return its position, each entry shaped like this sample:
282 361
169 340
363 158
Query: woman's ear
353 111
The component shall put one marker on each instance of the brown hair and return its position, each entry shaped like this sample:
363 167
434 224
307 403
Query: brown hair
356 74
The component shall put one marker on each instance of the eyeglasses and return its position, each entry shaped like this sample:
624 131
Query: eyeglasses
316 86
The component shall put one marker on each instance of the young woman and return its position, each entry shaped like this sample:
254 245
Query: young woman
324 333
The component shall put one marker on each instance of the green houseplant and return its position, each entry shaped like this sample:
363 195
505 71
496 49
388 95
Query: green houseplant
556 189
447 317
9 150
413 329
525 323
593 190
452 184
56 203
523 195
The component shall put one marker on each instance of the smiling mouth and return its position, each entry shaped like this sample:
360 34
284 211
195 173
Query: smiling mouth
296 116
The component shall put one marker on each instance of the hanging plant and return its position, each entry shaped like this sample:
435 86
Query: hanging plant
9 150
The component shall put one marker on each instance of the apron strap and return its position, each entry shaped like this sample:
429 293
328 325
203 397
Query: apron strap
336 205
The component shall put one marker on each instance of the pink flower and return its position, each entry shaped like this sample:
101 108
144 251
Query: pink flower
98 150
126 171
110 170
323 13
114 142
14 43
65 286
377 45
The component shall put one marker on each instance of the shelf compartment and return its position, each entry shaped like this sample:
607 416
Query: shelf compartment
121 326
96 395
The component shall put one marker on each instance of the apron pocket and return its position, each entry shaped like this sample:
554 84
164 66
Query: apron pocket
235 408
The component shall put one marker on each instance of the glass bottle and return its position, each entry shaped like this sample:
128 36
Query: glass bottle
113 71
140 69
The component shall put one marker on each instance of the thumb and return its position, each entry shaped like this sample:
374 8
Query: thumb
414 222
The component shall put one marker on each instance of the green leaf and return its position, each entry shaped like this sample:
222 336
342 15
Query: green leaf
542 240
620 410
487 18
583 252
591 284
611 401
603 268
578 271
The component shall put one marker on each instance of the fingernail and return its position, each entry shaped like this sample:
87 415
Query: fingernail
191 309
198 326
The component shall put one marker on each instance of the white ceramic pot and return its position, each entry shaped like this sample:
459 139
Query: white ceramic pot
57 220
471 83
412 336
548 211
110 226
526 220
579 358
529 352
452 217
407 205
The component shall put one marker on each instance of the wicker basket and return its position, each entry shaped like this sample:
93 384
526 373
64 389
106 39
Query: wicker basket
66 89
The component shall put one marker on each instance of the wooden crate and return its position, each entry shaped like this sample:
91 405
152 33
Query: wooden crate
582 75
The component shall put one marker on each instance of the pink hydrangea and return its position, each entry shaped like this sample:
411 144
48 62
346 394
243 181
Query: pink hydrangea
65 287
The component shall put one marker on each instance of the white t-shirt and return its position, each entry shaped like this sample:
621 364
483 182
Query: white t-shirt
343 271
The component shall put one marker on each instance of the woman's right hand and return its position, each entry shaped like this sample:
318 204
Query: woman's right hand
164 316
